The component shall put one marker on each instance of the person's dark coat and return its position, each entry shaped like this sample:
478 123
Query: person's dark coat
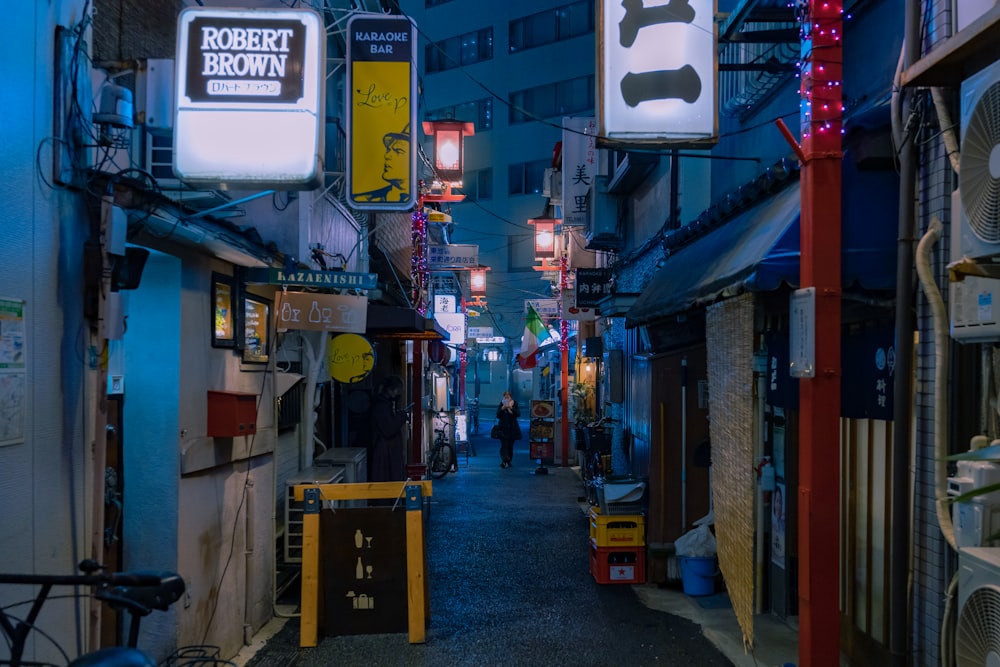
509 428
510 431
386 463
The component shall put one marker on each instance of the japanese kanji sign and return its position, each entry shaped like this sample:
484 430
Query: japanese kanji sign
452 255
579 154
657 71
592 285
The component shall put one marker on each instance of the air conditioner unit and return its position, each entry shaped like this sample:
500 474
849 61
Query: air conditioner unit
978 208
967 11
977 632
975 309
606 216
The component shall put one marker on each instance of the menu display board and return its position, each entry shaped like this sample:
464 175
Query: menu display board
256 329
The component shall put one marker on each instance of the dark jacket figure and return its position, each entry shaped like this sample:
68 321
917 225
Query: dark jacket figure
386 461
510 430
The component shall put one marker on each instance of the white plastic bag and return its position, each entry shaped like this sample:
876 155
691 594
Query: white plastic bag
697 543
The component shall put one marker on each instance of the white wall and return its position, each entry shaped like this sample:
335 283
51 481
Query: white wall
43 475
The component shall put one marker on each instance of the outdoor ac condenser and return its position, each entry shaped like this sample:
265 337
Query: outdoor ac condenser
975 225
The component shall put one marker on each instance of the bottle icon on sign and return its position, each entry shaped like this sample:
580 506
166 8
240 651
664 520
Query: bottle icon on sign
359 571
358 538
314 314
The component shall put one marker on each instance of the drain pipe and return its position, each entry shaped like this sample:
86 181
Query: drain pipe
940 318
902 383
939 427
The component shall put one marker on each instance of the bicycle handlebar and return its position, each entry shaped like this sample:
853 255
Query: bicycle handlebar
138 592
91 577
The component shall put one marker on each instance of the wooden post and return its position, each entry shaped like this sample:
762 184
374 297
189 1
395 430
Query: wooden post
416 580
309 625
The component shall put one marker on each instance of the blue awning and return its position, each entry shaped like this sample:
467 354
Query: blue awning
758 250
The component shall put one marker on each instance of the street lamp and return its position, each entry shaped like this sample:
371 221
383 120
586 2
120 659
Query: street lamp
477 282
545 239
449 137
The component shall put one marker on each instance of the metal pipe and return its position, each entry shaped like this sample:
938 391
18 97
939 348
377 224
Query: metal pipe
902 382
684 468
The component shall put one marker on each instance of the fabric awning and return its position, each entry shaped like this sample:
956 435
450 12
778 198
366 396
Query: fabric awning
400 322
759 250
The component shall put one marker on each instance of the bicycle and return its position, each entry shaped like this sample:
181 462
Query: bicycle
597 459
138 593
474 416
441 459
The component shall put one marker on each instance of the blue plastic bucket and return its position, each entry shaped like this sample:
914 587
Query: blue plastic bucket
698 575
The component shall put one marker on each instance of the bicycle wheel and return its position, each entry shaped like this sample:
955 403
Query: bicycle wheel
439 461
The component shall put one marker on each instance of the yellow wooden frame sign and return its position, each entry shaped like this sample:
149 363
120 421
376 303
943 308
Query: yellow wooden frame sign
417 594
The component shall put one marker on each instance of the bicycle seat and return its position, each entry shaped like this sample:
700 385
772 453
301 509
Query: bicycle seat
116 656
142 600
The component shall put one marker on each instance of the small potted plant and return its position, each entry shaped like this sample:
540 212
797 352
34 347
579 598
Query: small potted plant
583 415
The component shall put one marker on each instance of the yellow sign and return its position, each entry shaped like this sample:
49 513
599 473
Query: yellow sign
382 112
350 358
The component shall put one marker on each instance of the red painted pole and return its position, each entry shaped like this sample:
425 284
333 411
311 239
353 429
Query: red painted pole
819 396
564 360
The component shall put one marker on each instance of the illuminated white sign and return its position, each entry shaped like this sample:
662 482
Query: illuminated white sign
579 156
454 324
250 97
445 303
657 71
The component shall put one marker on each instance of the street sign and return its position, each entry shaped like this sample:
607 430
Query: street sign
329 279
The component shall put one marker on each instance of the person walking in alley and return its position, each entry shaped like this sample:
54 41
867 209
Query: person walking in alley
510 430
386 461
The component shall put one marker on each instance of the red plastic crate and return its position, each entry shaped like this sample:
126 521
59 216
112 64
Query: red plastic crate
617 565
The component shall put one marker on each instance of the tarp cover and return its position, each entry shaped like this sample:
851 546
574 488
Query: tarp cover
759 250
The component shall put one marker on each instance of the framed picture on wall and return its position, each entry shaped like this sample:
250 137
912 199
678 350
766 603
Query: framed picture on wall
256 329
223 312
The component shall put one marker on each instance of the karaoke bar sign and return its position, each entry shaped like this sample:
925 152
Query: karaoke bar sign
658 81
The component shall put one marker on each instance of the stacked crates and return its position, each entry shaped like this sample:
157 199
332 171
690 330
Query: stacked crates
617 548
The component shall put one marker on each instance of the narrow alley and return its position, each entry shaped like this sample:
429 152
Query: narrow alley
507 556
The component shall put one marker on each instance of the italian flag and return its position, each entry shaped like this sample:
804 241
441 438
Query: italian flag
534 334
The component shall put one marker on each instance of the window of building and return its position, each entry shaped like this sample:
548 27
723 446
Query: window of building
478 185
552 25
521 252
527 178
472 47
479 112
562 98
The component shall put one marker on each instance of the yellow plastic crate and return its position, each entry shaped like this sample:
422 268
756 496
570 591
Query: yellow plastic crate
619 530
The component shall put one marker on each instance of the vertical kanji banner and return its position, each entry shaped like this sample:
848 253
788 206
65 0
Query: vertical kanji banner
579 153
381 112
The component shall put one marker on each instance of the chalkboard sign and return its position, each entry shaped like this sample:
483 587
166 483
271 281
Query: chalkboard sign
363 570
